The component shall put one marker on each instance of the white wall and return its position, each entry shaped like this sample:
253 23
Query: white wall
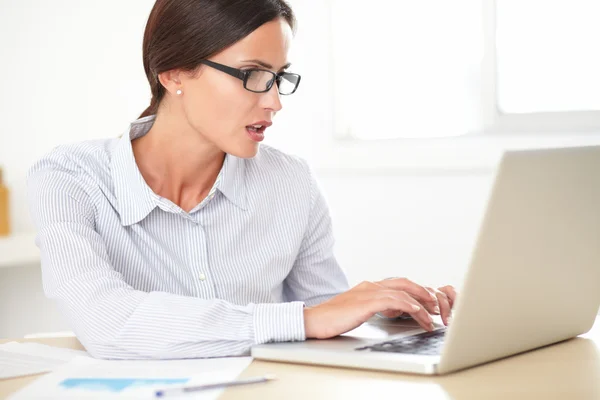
418 226
72 70
24 308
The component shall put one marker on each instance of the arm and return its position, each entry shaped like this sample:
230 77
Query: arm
112 319
316 275
333 307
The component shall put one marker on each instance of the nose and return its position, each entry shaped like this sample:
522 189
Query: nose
271 99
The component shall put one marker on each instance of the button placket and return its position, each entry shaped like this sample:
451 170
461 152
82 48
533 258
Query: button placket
199 261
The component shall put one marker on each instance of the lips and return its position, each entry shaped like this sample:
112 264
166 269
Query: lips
256 131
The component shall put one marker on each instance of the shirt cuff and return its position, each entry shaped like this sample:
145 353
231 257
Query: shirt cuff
282 322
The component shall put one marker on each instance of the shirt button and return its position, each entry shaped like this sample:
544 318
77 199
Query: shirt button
202 277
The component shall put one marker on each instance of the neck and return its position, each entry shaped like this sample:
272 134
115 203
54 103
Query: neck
176 162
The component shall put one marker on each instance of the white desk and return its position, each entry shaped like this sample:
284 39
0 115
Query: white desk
565 371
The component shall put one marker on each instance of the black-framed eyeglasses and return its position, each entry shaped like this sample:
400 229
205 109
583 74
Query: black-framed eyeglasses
260 80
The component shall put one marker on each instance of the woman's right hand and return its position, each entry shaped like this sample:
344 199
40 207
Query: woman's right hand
350 309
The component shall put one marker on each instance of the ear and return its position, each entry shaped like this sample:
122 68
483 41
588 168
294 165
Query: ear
171 80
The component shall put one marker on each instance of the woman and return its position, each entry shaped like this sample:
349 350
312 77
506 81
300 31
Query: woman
181 239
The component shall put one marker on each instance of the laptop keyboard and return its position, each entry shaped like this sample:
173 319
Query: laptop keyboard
427 343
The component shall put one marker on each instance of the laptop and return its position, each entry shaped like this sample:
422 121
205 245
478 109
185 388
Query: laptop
533 278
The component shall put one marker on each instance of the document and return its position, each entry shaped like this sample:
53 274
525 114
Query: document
20 359
88 378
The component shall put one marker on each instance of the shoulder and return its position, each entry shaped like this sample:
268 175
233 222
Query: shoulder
279 167
81 156
280 180
84 162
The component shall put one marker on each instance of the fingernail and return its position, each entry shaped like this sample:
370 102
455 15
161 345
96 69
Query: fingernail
416 308
449 320
436 309
431 326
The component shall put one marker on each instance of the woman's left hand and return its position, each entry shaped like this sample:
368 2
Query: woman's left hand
446 296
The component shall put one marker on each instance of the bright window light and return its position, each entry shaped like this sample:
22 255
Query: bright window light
407 69
548 57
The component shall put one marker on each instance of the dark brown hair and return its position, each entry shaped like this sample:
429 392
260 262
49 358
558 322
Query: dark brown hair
181 33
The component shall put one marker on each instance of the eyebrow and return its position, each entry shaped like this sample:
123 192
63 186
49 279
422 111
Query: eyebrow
266 65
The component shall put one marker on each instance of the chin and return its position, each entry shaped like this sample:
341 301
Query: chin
246 151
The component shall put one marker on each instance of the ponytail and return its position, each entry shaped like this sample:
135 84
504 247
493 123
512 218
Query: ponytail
151 110
158 92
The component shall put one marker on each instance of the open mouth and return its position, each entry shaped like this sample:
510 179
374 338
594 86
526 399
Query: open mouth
256 132
257 128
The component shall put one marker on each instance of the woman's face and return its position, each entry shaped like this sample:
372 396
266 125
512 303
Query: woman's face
218 106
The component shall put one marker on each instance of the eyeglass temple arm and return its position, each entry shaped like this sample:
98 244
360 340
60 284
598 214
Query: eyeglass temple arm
228 70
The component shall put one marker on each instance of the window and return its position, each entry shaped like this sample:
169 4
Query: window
438 69
547 55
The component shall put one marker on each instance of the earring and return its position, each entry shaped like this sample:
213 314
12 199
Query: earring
179 92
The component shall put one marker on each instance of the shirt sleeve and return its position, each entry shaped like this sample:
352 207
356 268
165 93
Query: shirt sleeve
112 319
316 275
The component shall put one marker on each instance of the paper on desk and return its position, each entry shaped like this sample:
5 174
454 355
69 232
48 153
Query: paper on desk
88 378
20 359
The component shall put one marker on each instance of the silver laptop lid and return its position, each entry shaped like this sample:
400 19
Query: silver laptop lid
534 277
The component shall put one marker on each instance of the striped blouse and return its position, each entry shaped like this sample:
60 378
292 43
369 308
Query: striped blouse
137 277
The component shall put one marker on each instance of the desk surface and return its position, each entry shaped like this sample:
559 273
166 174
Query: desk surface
568 370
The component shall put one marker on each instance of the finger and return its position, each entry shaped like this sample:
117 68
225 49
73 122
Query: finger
444 306
421 316
431 305
433 308
450 292
392 314
415 290
393 301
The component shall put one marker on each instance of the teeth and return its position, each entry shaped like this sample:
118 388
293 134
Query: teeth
257 126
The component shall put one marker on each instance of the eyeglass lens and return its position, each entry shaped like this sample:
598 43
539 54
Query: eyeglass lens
259 81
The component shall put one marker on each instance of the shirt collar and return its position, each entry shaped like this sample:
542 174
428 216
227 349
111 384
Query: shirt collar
135 199
232 181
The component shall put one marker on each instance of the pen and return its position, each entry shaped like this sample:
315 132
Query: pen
180 390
